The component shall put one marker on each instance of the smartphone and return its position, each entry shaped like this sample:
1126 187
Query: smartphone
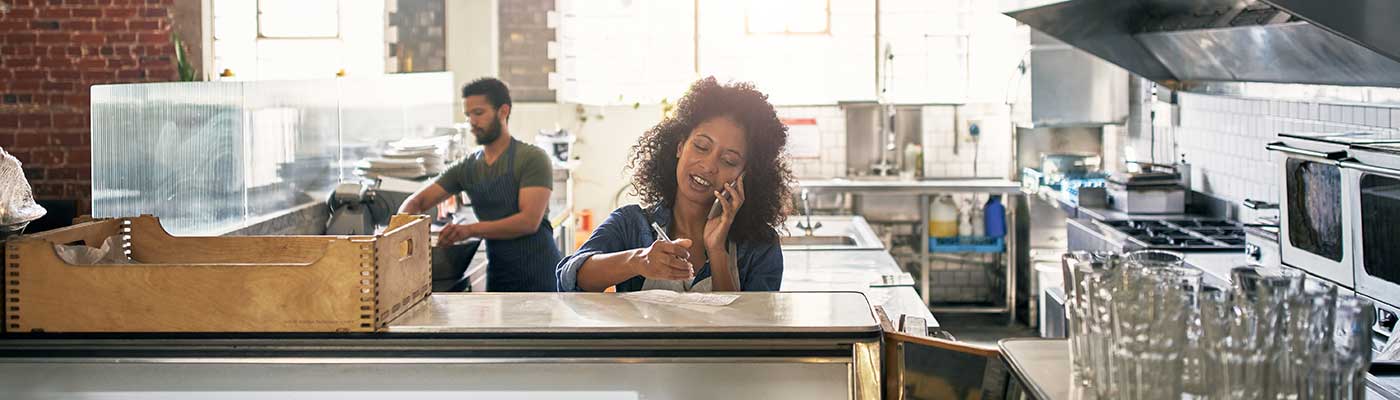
717 209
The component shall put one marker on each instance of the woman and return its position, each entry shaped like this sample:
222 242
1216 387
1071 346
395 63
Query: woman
723 150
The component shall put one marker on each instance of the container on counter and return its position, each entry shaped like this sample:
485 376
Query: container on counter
943 218
995 217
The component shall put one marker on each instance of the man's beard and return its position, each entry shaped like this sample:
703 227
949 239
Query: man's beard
490 135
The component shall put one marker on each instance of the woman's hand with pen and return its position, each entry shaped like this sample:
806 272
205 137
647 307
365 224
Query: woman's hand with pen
664 259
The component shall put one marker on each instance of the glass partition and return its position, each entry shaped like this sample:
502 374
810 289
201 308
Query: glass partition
207 157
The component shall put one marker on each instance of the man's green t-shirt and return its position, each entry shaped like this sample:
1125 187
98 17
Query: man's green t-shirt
532 169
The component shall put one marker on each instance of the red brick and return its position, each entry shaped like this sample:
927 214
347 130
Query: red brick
66 75
144 24
31 140
158 50
46 25
131 74
111 25
55 62
46 157
20 38
90 38
30 75
68 139
92 63
80 100
121 62
120 12
70 120
78 25
99 77
54 38
154 12
154 38
53 12
122 37
161 75
35 120
25 86
79 155
19 62
8 25
9 121
87 12
22 13
7 139
57 86
66 173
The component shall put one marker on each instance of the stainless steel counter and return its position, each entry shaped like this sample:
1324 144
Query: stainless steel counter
1041 368
855 271
493 345
603 313
924 186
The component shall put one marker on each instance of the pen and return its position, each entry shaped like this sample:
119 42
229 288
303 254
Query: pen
661 233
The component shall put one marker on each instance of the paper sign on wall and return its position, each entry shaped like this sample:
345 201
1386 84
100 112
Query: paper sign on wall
804 139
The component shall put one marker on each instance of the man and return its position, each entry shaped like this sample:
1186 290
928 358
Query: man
508 182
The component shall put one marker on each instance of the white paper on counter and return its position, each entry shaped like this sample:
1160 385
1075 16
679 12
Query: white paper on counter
669 297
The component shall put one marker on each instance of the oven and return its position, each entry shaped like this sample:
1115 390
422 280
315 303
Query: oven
1315 233
1374 178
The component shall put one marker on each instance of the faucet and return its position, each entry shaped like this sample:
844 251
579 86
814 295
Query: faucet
807 212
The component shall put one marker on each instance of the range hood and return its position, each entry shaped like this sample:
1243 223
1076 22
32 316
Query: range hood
1181 43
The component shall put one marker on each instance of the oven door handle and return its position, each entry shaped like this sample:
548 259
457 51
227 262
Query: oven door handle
1370 168
1330 156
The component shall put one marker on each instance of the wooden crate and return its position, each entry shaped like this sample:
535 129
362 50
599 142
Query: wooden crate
216 284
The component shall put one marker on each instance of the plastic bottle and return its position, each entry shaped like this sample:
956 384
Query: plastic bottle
979 220
943 218
995 216
965 219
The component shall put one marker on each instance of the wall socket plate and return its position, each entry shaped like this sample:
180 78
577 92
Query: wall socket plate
974 130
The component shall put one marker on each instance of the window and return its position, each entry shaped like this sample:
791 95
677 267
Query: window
298 19
298 39
785 17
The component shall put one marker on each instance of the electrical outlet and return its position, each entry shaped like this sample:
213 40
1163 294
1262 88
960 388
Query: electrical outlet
974 130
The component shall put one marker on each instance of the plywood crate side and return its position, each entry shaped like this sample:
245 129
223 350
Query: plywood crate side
201 284
404 273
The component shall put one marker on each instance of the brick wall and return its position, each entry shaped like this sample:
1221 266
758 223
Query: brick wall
525 36
51 53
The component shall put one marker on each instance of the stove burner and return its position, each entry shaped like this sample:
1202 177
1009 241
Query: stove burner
1186 234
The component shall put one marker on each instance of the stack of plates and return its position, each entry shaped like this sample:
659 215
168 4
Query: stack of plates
405 159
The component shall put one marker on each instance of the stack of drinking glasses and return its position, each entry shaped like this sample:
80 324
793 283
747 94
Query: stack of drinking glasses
1143 326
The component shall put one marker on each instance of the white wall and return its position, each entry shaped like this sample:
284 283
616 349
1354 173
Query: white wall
603 145
472 44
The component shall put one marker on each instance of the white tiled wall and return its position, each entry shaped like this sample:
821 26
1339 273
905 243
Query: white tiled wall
831 123
942 158
1223 138
951 152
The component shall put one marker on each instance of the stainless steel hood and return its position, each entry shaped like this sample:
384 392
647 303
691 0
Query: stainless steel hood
1181 43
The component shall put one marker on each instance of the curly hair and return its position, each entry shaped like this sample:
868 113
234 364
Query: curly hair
767 179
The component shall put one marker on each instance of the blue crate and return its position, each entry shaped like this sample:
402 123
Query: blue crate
967 244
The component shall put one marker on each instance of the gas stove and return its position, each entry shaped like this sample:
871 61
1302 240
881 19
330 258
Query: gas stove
1177 235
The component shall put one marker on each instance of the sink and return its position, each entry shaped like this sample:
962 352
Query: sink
818 241
837 232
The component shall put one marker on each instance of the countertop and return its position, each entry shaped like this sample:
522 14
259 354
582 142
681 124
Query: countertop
922 186
854 271
1042 366
605 313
